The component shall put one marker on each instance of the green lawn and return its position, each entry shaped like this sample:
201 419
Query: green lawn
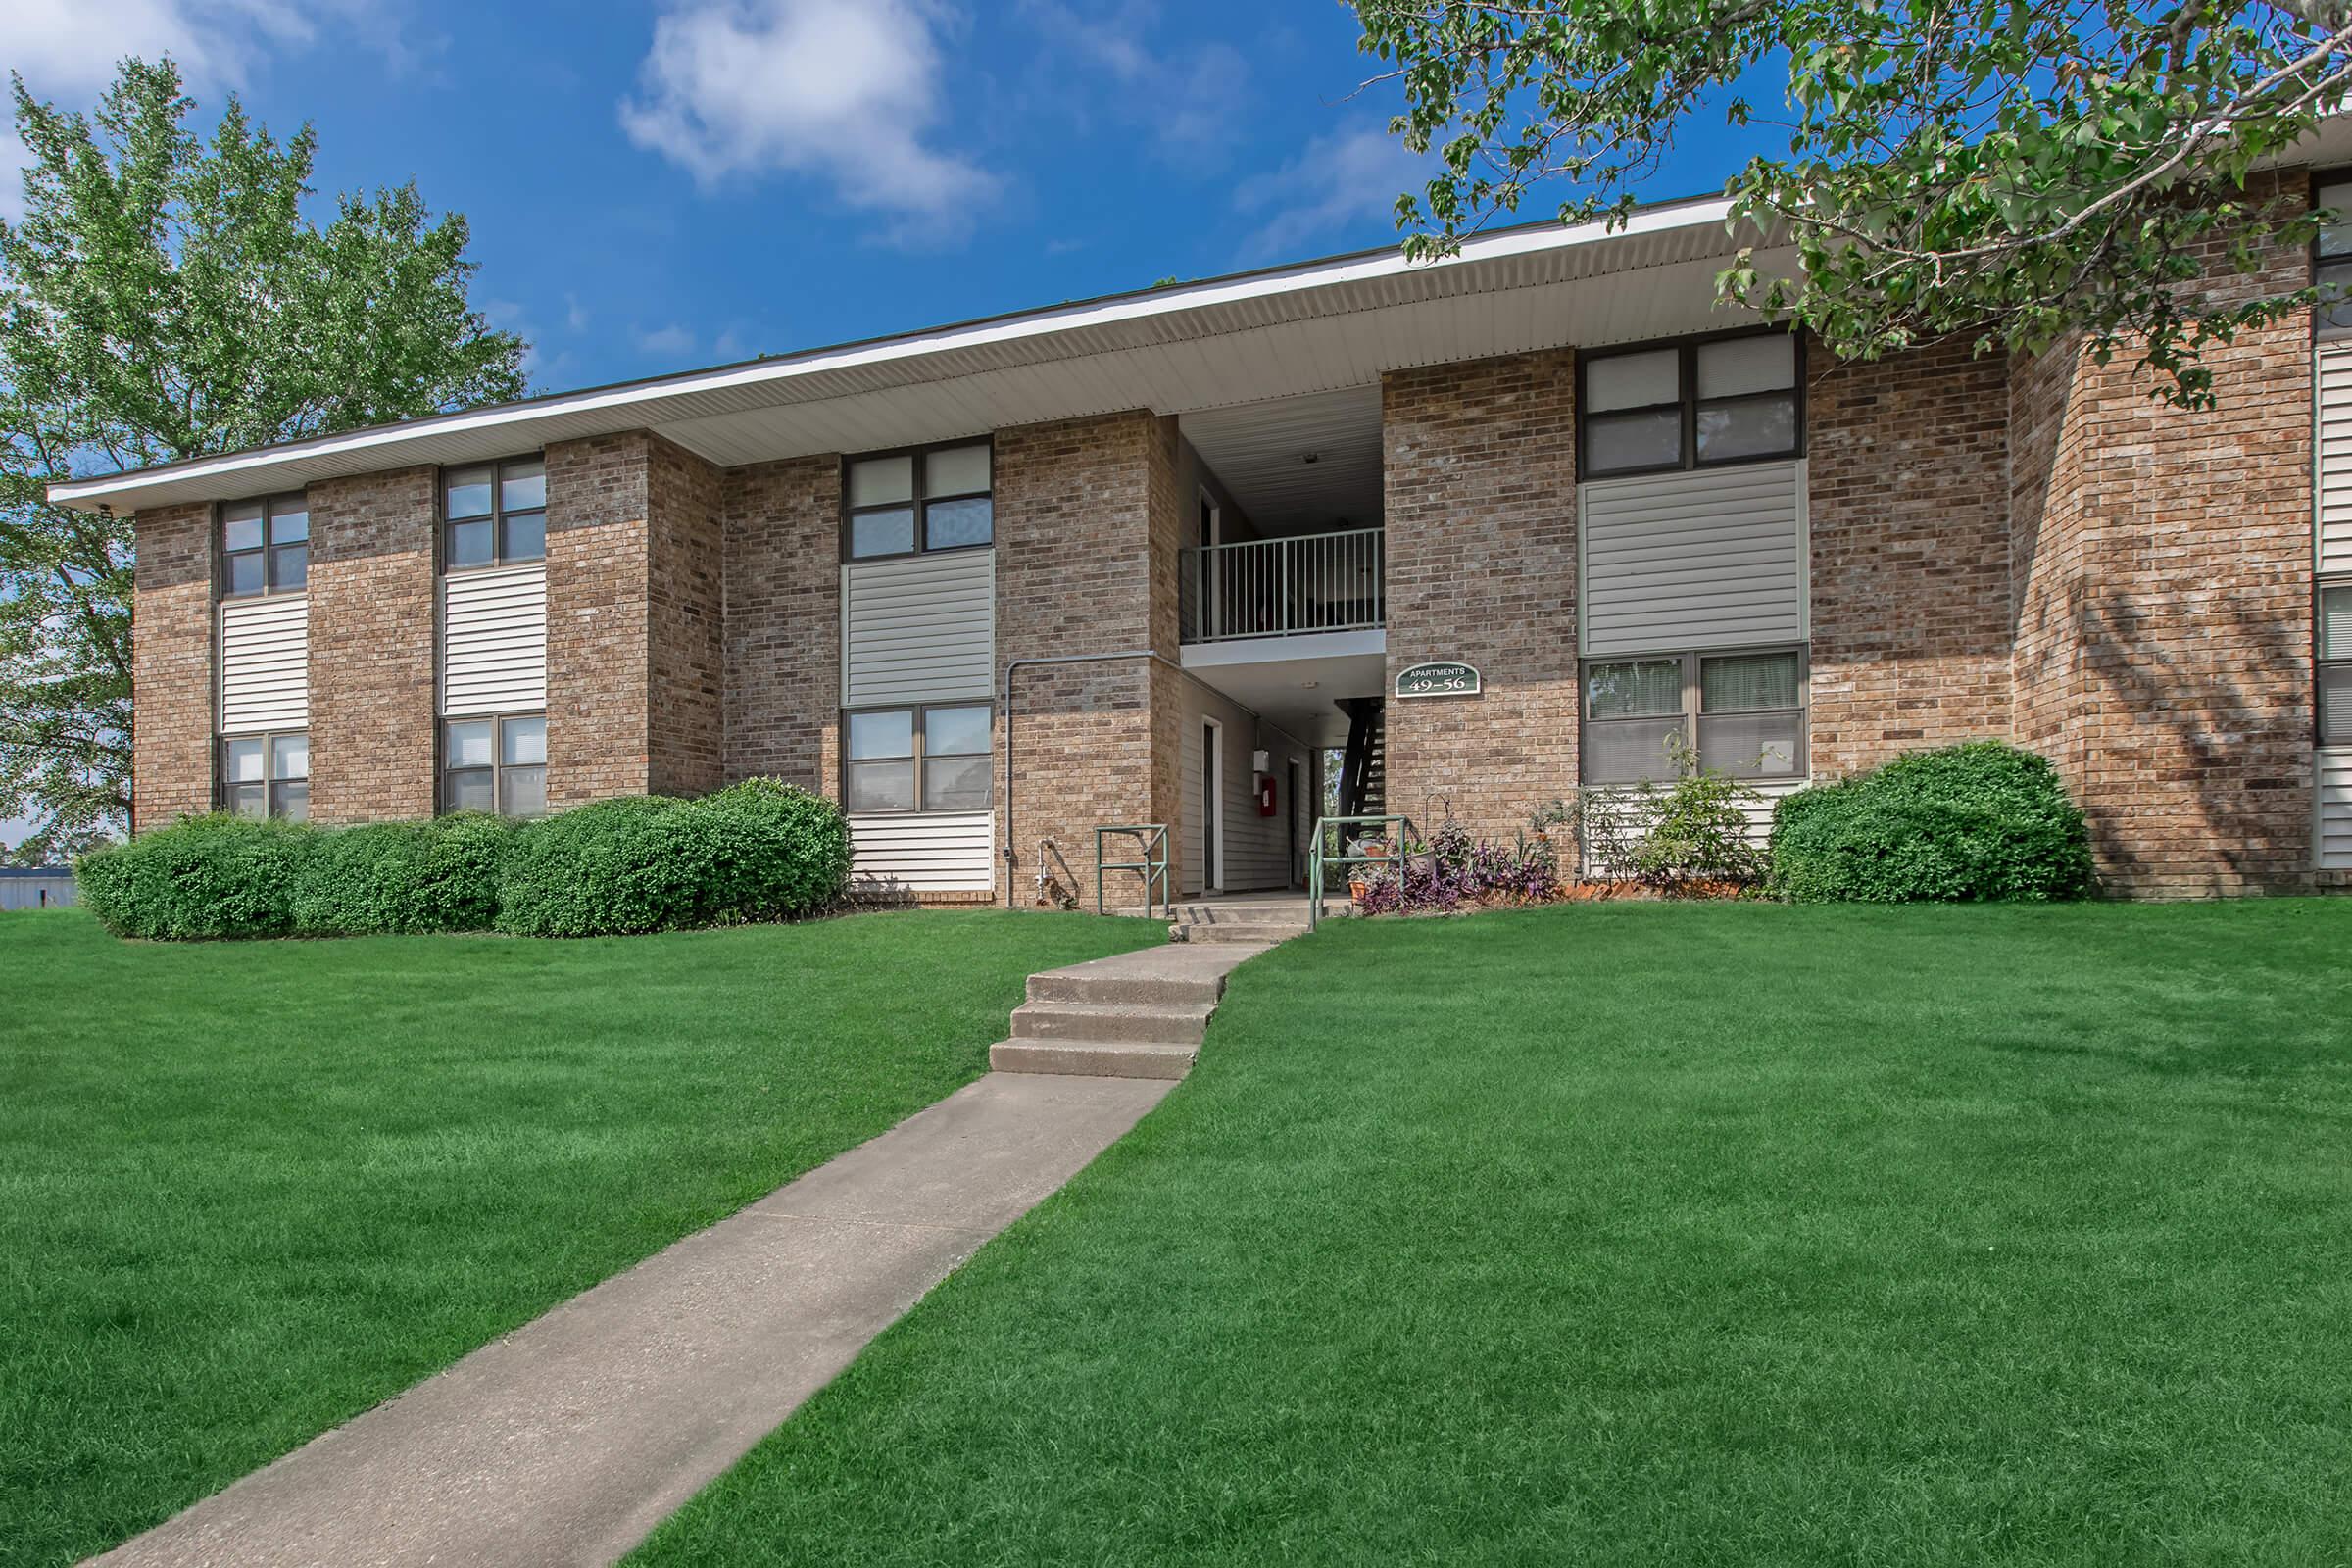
248 1189
1659 1235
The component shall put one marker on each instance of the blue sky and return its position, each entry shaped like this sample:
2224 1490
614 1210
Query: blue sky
657 187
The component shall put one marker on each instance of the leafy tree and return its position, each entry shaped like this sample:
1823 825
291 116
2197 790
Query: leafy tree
164 297
2004 171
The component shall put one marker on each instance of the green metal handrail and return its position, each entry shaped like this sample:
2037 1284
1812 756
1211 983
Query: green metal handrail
1397 831
1152 843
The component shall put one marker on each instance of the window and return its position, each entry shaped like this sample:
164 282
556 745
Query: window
2331 262
904 503
265 546
1690 405
266 775
2336 664
495 765
1745 715
933 759
495 513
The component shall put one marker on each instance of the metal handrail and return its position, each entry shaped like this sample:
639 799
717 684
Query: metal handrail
1148 836
1397 830
1313 582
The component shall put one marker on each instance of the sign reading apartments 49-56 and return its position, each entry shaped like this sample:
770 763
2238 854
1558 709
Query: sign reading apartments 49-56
1444 677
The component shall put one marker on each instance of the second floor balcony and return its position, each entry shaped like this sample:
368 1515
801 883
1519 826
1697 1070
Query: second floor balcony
1285 587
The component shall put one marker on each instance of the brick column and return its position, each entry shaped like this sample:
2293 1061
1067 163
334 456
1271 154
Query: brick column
373 587
1086 563
633 614
2163 567
172 665
783 621
1908 510
1479 464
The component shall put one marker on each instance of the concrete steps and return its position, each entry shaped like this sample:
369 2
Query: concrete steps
1132 1015
1264 921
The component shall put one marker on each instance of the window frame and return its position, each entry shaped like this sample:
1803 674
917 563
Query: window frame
2321 258
921 712
268 548
445 793
919 500
2322 664
223 784
1688 402
496 517
1693 709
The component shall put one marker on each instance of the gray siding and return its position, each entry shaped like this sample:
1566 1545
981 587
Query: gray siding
2335 809
493 641
921 629
1256 847
934 852
1713 559
2335 380
265 664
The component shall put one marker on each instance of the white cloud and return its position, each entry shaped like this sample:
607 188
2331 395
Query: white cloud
67 50
844 91
1345 179
670 341
1192 104
575 314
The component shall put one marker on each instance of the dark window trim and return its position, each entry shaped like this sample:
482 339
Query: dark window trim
1689 400
1692 711
2326 176
922 753
269 547
496 517
917 500
497 770
222 783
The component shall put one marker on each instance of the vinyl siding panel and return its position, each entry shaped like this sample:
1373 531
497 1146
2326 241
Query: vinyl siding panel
1763 797
1713 559
922 630
2334 382
938 851
2335 809
265 664
493 641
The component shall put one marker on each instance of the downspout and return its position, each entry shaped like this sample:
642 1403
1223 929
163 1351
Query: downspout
1004 705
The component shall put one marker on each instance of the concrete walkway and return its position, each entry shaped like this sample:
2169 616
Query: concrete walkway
567 1440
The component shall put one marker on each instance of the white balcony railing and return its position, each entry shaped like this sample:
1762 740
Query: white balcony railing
1282 587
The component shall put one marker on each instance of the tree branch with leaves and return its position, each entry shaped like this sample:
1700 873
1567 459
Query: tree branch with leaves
164 297
2006 173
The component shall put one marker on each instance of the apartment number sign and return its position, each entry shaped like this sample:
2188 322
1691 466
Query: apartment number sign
1443 677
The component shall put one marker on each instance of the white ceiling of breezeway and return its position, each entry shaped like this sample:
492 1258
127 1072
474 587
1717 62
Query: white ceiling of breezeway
1297 464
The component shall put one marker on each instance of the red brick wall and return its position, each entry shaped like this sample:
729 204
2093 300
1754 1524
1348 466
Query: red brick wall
172 665
372 593
685 620
783 621
1480 469
1086 563
2162 577
1908 508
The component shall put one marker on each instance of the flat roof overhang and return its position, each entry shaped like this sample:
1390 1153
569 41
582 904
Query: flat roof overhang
1312 327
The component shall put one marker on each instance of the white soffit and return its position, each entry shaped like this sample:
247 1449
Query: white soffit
1259 450
1315 328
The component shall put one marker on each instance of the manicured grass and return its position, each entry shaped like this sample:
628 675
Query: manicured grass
248 1190
1657 1235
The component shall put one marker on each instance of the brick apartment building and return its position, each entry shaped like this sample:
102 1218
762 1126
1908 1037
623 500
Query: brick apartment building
1134 559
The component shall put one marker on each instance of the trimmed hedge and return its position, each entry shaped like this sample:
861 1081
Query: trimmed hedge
202 877
389 878
757 850
1979 821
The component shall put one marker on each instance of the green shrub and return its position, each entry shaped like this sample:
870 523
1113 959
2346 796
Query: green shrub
776 851
1973 823
391 877
758 850
202 877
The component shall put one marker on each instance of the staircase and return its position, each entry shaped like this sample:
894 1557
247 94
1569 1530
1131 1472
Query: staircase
1364 765
1259 922
1131 1015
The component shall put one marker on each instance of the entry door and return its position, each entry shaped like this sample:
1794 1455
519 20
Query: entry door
1211 810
